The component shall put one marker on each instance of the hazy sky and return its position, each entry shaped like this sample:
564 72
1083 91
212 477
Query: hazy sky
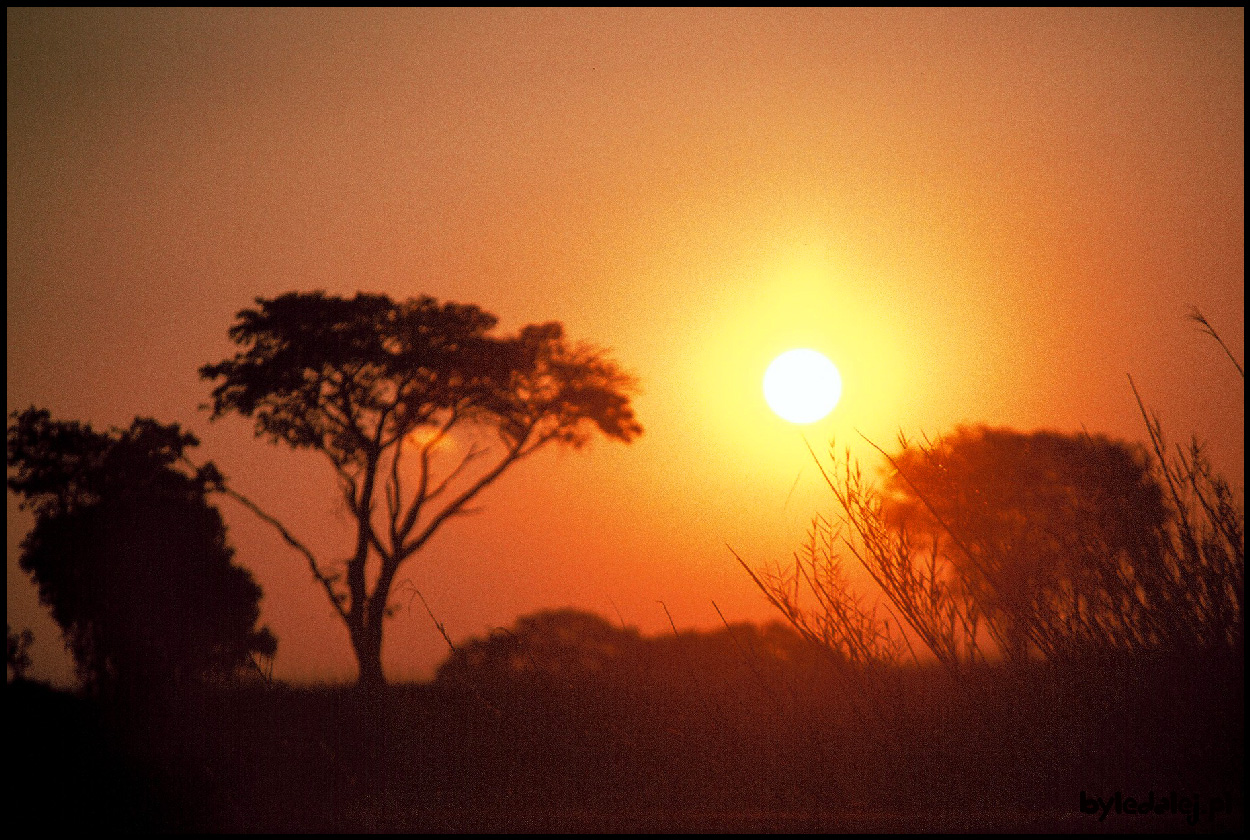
980 215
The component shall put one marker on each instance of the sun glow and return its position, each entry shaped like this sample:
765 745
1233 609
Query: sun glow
430 436
802 386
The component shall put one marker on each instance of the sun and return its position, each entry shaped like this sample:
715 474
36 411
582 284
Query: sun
802 386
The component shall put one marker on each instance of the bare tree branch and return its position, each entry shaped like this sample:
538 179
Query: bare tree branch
326 582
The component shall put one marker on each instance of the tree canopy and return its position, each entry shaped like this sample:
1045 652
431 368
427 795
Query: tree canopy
376 385
998 542
1060 539
129 555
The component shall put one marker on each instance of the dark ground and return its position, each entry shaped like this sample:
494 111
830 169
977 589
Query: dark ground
789 750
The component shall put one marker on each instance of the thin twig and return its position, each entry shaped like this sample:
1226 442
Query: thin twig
438 624
1196 315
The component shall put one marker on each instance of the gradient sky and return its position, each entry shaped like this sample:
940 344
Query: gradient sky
980 215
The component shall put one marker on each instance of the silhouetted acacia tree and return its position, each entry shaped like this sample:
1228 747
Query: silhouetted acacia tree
129 555
377 386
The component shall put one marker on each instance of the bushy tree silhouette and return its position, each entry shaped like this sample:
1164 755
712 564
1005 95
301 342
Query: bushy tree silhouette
1059 539
564 644
1063 546
129 555
372 383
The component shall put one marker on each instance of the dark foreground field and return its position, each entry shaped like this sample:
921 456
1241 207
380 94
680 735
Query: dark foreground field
791 746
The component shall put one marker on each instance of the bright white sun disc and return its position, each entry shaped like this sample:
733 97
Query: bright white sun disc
802 386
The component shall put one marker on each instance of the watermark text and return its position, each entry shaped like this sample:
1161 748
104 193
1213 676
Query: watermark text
1192 807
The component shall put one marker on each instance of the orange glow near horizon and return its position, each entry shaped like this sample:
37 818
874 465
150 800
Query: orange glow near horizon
979 215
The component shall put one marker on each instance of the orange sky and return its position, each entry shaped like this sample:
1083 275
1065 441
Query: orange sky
981 216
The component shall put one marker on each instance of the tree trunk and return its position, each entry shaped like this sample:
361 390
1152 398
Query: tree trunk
367 644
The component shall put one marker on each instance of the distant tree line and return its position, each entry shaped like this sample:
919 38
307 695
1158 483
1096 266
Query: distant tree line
574 647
